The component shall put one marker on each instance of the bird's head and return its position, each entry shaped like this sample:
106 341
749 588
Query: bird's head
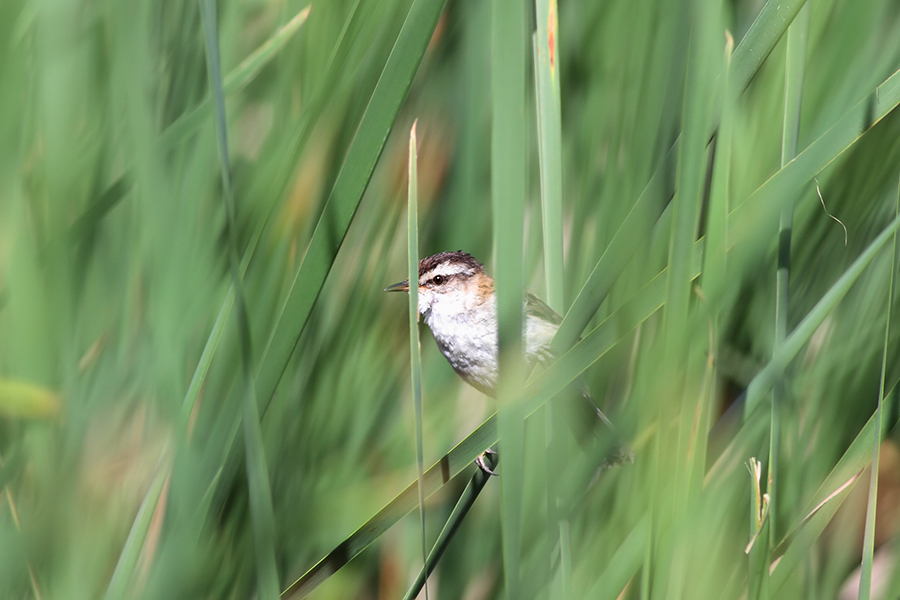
452 281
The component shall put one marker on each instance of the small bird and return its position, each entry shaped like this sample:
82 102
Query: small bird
457 302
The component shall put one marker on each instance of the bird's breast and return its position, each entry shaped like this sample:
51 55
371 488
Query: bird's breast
468 340
469 344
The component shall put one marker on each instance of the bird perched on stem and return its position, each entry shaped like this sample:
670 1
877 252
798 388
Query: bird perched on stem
457 302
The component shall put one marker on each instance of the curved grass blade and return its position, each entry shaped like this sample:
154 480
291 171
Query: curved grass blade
263 517
366 148
857 456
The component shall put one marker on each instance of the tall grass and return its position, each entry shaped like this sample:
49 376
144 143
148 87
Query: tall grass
639 180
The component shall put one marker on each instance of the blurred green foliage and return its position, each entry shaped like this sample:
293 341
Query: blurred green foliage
114 270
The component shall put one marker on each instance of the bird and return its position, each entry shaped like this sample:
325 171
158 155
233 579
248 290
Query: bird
458 303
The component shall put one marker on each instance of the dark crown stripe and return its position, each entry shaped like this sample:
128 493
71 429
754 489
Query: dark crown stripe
459 257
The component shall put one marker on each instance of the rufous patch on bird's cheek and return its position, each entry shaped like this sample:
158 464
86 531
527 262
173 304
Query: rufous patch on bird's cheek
485 286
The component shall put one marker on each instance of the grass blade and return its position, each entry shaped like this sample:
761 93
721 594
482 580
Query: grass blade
624 564
465 502
801 334
239 77
794 72
549 129
714 281
215 335
257 473
674 446
366 148
549 383
509 56
414 345
637 225
343 201
825 502
759 41
604 337
128 559
865 580
190 122
757 214
137 534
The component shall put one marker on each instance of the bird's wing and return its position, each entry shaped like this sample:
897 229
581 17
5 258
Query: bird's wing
537 307
618 452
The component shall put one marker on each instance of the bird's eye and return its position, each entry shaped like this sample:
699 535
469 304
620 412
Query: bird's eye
438 279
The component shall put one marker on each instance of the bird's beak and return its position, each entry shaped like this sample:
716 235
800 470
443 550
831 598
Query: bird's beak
403 286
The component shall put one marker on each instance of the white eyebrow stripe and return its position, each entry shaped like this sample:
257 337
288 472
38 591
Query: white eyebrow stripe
446 269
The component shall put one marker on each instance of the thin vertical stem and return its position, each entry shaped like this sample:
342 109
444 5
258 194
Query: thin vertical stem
509 57
868 556
549 128
414 346
794 72
257 474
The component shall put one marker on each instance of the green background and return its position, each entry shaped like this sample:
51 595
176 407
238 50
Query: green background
127 464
